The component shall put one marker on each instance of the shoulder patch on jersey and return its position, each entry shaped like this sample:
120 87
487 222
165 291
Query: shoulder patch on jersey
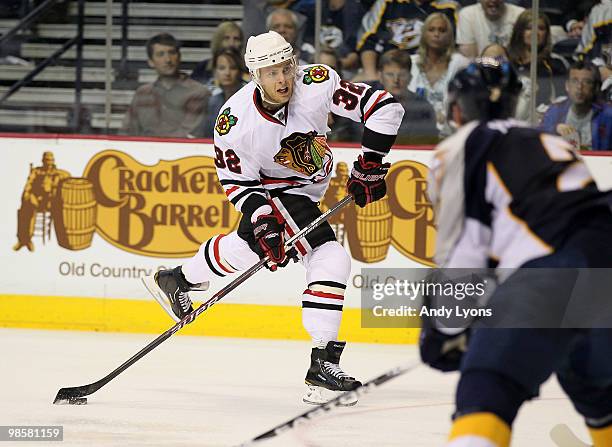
225 122
302 152
316 74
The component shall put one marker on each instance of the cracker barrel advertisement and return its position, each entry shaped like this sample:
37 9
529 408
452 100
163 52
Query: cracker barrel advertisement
96 215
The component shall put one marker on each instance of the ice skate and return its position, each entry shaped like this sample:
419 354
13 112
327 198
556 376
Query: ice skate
325 379
170 290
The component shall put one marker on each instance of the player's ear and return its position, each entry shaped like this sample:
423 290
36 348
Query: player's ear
150 62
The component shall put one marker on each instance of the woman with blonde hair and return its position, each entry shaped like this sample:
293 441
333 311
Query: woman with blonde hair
435 64
227 35
552 68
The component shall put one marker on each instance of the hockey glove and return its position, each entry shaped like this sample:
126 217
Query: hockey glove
442 351
268 230
367 181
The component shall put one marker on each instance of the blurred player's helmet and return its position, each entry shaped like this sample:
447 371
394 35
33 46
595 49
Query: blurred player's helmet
487 89
265 50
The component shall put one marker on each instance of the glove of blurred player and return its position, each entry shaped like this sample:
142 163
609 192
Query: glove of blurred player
367 181
442 351
268 230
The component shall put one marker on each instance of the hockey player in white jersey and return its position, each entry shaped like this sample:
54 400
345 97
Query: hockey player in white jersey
274 164
509 196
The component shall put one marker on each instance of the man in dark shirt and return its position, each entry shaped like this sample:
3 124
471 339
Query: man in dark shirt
174 104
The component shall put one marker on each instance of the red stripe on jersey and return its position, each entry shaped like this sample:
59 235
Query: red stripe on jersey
288 229
263 112
231 190
367 114
216 252
274 181
333 296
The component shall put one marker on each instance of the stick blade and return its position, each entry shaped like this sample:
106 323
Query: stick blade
67 394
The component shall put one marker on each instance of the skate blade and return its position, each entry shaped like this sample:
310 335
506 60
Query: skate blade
159 295
317 395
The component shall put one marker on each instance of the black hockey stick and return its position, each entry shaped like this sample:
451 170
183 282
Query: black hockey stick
73 394
324 409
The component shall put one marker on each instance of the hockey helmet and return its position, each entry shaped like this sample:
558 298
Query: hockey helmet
487 89
265 50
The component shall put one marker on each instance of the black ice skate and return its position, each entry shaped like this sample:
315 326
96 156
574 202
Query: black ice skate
325 378
170 289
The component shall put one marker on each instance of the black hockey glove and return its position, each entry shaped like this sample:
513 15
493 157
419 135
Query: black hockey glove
367 181
268 230
442 351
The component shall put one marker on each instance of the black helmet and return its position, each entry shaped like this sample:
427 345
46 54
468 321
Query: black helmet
487 89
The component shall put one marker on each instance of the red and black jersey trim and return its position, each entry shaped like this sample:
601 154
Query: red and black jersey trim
240 182
263 112
246 192
378 105
364 101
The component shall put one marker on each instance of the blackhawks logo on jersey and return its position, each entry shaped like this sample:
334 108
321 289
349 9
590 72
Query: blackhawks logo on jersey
302 152
225 122
315 74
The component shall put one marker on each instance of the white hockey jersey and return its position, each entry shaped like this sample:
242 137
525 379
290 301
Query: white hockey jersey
259 155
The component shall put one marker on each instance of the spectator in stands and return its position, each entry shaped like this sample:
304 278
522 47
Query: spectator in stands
552 69
285 22
227 35
395 24
495 50
419 122
338 30
581 119
174 104
489 21
228 67
435 64
596 40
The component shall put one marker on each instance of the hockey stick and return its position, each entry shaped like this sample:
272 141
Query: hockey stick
563 436
75 394
324 409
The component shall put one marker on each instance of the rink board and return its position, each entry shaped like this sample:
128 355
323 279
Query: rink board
115 209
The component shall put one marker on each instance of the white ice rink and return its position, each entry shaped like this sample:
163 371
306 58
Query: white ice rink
200 391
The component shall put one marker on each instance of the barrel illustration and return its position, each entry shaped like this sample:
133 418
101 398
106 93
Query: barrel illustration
368 231
75 213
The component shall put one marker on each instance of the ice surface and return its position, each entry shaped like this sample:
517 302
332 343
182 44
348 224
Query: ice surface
204 391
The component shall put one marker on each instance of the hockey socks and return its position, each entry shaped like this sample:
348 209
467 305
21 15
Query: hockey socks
322 305
479 430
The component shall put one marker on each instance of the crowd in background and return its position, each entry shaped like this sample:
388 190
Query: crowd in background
410 48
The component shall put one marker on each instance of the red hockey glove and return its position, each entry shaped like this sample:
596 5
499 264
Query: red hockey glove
367 181
268 230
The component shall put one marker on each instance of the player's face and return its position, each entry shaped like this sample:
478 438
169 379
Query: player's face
277 81
231 39
541 34
437 34
580 86
493 9
283 25
395 79
226 72
165 60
